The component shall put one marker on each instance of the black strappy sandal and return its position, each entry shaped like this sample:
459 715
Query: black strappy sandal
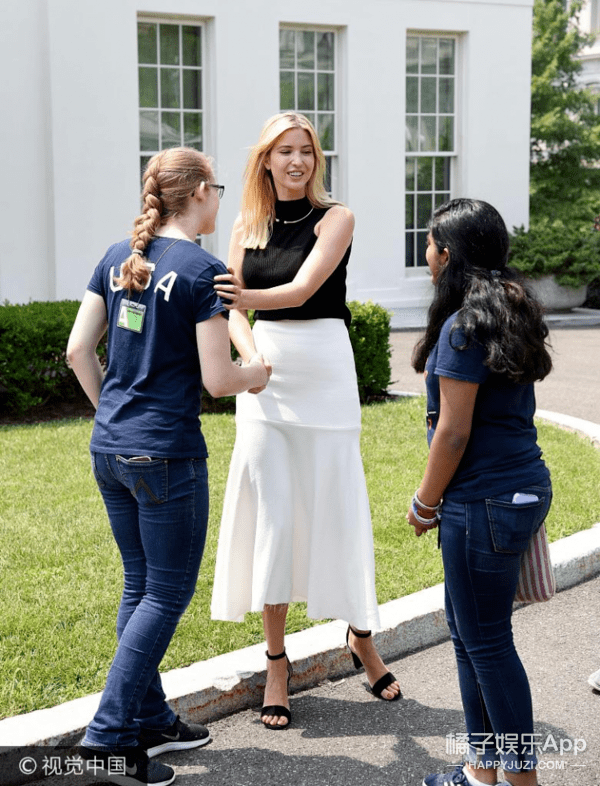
383 682
278 709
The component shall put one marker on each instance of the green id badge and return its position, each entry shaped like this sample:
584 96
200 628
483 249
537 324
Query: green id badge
131 316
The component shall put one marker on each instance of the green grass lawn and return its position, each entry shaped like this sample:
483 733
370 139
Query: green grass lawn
60 573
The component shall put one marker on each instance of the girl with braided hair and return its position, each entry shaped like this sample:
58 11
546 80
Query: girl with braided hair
167 336
484 347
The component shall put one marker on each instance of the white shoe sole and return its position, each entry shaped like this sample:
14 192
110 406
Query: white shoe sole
177 745
594 684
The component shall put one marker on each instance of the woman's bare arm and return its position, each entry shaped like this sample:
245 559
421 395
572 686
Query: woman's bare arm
334 234
457 402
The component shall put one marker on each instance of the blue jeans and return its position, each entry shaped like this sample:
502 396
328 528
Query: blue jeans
158 512
482 543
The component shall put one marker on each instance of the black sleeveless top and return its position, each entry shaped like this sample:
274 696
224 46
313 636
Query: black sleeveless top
286 250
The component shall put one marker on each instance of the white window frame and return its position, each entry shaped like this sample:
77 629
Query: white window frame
179 22
332 154
417 234
594 16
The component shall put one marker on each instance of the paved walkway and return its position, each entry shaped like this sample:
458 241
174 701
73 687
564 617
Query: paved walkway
342 736
573 387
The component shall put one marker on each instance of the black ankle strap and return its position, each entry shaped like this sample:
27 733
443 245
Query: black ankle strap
275 657
360 635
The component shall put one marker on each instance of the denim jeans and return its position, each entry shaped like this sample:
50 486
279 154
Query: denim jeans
158 512
482 543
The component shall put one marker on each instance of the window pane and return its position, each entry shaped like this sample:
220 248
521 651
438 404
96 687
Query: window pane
169 87
428 55
192 89
287 43
149 131
146 43
143 164
412 133
191 40
148 86
412 56
411 169
307 84
306 91
421 248
169 44
412 94
306 49
428 137
446 95
325 51
409 249
446 141
325 130
170 128
428 91
327 179
425 174
446 56
287 94
410 211
442 174
325 88
430 126
192 130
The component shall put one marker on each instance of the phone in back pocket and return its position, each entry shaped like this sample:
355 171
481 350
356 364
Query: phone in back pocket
523 499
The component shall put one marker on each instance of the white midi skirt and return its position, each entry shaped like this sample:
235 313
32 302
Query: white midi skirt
296 523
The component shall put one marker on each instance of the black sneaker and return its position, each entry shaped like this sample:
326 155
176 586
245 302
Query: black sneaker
125 766
178 737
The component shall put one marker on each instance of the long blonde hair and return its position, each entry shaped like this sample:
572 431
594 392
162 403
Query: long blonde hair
258 196
169 179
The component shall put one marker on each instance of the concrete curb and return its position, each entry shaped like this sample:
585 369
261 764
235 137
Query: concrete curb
211 689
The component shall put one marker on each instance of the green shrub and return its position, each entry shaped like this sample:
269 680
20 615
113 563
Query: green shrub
567 250
33 342
33 367
370 339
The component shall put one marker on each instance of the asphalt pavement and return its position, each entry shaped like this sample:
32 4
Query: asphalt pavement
572 388
342 736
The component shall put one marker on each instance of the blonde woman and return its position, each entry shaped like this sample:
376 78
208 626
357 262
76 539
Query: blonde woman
296 524
166 336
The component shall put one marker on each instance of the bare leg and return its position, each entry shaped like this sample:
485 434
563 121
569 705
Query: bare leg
375 668
277 674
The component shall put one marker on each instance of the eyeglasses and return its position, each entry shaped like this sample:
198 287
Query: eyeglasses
220 189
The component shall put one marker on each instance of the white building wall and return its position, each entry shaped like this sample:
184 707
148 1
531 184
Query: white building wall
26 215
590 57
73 169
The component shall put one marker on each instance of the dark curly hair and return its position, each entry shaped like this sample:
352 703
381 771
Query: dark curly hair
494 306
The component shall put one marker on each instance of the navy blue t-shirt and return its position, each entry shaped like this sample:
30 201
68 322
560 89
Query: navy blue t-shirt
150 397
502 453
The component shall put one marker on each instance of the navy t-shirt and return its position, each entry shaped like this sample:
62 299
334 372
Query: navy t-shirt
150 397
502 453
